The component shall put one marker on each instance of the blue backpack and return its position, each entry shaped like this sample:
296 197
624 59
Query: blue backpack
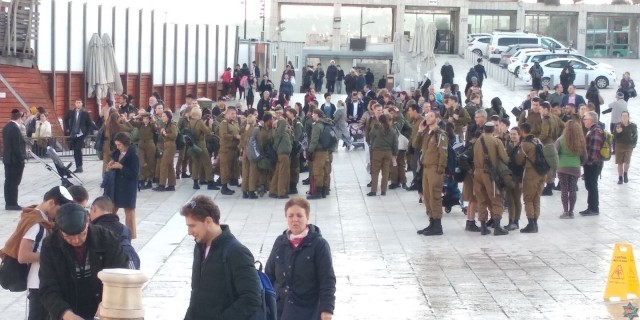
268 309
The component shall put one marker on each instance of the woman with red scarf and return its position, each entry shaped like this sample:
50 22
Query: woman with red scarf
301 269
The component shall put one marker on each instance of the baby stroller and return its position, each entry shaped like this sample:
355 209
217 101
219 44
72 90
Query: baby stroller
357 135
61 171
451 194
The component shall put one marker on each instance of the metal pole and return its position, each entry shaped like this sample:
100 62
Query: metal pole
245 19
361 23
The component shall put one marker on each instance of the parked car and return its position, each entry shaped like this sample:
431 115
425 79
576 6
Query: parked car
501 40
531 58
479 45
585 73
514 67
473 36
507 56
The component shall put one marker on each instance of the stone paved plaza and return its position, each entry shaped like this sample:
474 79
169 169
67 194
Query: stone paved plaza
384 270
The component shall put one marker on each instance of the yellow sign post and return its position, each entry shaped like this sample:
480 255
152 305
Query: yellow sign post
622 282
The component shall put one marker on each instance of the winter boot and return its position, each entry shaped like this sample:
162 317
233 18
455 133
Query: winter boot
196 185
159 188
490 223
212 186
185 175
510 222
513 225
170 188
393 186
497 229
421 231
626 178
253 195
234 182
316 195
471 226
245 195
484 230
306 181
548 190
619 179
530 228
436 229
226 191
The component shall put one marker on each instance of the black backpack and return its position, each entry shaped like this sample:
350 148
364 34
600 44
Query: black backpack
179 140
188 137
129 251
328 138
539 163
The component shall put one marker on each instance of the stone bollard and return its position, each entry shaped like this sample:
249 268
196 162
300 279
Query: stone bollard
121 294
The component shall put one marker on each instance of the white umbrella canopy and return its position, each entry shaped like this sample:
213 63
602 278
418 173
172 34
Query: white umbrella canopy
417 43
397 52
95 74
113 80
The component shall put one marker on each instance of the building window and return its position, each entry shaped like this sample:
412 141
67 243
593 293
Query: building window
297 62
274 62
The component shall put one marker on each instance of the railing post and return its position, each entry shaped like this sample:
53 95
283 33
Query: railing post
122 294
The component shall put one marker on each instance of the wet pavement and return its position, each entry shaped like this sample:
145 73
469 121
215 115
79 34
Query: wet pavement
384 270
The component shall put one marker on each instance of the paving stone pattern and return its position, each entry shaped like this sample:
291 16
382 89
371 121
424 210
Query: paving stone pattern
384 270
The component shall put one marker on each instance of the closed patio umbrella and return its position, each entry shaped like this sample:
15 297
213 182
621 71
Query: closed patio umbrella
113 80
428 54
95 74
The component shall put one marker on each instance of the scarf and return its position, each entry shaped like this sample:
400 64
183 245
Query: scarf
296 240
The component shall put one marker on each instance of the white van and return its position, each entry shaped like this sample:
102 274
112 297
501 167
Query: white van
501 40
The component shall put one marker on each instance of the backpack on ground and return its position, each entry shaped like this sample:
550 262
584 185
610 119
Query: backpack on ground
268 309
251 148
540 162
13 274
607 141
129 251
329 137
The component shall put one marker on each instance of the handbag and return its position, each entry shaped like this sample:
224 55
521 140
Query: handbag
403 142
13 274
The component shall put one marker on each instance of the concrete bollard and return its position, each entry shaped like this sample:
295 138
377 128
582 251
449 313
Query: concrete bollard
122 294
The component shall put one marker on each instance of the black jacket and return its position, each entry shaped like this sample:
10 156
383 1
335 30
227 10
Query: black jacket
124 189
14 151
263 106
311 282
447 75
265 86
332 73
340 75
83 118
359 110
210 298
111 222
59 288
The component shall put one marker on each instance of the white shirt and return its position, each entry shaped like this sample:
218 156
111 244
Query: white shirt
33 280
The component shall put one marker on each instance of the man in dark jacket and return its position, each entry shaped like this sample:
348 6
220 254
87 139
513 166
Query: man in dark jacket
77 125
369 77
318 77
224 281
101 214
482 73
332 75
567 76
339 80
70 260
286 87
13 155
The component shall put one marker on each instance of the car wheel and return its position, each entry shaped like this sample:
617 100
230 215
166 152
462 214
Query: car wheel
477 52
602 82
517 71
546 82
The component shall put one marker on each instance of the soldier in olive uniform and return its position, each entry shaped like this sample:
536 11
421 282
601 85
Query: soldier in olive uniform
294 173
414 113
169 132
532 117
229 140
398 175
146 150
249 168
434 143
264 138
550 131
184 160
532 181
319 156
456 115
201 161
157 119
487 151
282 137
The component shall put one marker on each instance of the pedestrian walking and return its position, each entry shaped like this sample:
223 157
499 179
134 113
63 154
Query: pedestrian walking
340 119
567 76
626 136
384 146
536 73
224 281
446 71
77 125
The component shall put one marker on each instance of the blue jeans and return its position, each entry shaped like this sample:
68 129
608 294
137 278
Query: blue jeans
339 86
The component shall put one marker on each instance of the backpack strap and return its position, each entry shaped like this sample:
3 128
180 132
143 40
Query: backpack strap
487 161
227 272
36 244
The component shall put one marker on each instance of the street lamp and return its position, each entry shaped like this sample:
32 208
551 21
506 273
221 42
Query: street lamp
365 23
245 18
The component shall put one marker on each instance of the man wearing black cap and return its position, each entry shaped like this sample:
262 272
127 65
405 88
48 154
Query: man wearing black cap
13 155
70 261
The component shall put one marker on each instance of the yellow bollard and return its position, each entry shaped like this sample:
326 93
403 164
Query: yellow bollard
622 282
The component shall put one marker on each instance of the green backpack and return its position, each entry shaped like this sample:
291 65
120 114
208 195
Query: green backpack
605 151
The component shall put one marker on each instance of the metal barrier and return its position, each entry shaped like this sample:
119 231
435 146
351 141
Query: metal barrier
61 144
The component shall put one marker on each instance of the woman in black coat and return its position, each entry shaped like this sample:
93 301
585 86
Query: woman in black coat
301 269
593 96
447 74
123 171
